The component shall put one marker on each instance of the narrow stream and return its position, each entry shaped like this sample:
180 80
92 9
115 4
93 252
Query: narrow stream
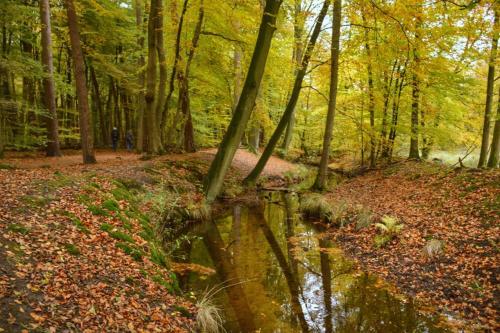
280 275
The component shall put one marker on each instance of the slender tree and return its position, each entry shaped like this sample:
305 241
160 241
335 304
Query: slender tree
151 137
489 91
495 144
48 82
292 102
141 77
298 51
332 102
243 111
81 85
415 94
371 94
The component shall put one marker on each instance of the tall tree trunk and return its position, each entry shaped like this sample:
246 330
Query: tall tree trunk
98 101
292 102
243 111
332 102
48 82
387 97
170 136
81 85
188 130
371 95
152 143
141 77
160 49
495 144
489 91
395 112
415 104
298 50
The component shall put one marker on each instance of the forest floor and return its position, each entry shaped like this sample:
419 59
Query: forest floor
78 250
458 207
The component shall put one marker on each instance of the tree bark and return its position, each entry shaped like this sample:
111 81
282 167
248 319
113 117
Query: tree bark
415 104
141 77
81 85
177 58
489 91
243 111
298 50
332 102
495 144
292 102
151 138
185 103
371 96
53 147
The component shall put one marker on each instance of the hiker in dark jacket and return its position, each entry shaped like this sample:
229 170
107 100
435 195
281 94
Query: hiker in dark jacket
129 140
114 138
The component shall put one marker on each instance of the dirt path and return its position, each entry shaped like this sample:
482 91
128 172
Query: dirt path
243 161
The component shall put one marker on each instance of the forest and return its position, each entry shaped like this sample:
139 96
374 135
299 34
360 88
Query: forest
181 136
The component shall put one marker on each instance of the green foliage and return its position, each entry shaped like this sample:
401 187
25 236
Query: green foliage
19 228
390 228
111 205
5 166
389 225
96 210
79 225
72 249
131 251
158 255
316 205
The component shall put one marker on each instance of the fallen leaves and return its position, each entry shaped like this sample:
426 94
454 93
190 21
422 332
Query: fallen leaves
459 208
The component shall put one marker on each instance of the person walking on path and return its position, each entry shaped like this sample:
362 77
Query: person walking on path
129 140
114 138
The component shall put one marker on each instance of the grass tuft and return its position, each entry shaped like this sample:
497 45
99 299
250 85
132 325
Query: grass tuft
18 228
72 249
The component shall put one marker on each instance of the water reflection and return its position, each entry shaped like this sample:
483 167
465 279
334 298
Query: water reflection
281 275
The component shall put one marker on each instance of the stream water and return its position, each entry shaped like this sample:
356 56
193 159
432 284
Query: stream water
277 273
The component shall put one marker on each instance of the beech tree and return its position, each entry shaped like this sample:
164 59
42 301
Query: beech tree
48 82
86 135
243 111
332 102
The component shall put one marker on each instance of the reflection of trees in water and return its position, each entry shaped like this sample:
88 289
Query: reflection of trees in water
248 245
291 279
226 272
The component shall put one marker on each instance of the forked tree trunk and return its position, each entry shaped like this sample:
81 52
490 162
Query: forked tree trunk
184 99
320 182
243 111
53 147
292 102
81 85
489 92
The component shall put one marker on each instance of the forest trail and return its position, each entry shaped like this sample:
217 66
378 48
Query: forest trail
243 161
